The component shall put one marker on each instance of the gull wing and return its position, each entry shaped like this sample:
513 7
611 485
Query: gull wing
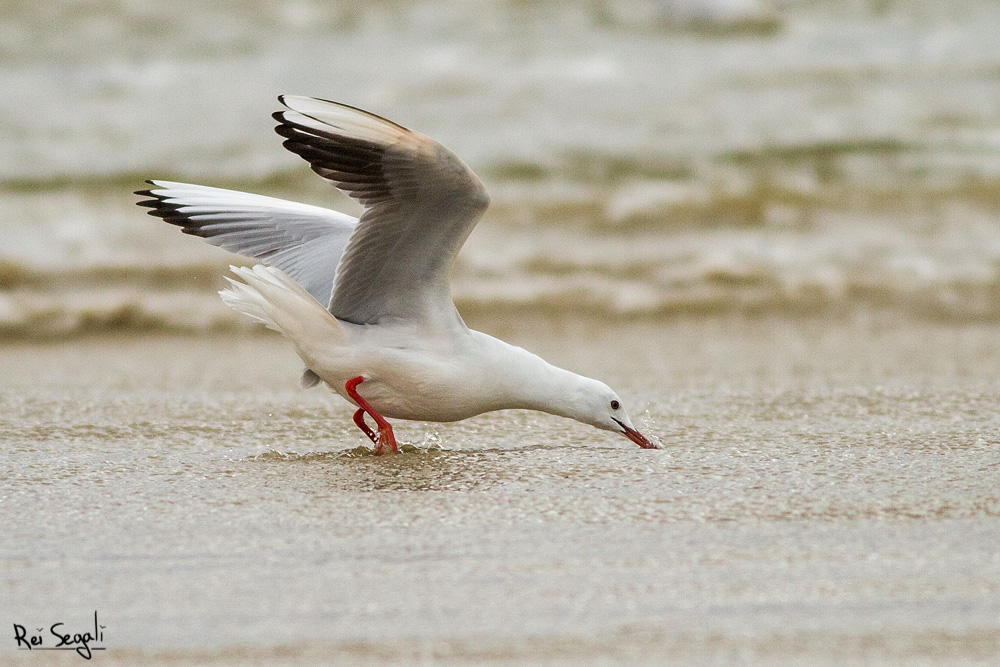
306 242
421 204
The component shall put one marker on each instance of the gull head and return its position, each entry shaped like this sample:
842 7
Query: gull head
596 404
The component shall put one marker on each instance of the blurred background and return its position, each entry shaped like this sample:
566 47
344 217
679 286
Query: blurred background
645 158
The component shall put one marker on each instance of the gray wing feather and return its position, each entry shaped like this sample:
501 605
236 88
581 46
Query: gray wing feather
421 203
306 242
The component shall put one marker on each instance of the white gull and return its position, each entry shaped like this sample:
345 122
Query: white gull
389 339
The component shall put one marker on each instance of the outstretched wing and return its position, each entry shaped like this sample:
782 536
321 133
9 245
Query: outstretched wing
421 204
306 242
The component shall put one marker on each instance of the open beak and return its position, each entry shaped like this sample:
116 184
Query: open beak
636 437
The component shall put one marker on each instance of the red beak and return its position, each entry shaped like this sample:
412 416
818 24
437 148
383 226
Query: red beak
637 438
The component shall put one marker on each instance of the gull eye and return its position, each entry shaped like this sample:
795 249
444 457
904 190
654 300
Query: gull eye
615 405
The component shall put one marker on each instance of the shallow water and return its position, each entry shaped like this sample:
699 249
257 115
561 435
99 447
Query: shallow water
827 494
644 158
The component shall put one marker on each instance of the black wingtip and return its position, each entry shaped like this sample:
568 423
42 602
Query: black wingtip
147 193
168 211
287 131
153 201
159 208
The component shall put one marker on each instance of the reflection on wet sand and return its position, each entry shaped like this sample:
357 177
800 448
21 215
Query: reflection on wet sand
415 469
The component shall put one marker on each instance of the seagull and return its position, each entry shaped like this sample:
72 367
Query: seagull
367 302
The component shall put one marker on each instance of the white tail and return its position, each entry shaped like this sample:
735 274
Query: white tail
270 297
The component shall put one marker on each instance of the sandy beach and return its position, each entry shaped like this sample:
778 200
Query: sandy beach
827 494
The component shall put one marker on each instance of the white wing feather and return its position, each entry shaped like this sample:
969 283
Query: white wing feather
421 204
306 242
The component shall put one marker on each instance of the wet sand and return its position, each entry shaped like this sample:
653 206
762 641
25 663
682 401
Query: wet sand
828 494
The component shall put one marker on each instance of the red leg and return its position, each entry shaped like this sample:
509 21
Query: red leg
359 419
385 434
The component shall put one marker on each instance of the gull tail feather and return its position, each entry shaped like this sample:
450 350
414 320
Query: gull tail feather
269 296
